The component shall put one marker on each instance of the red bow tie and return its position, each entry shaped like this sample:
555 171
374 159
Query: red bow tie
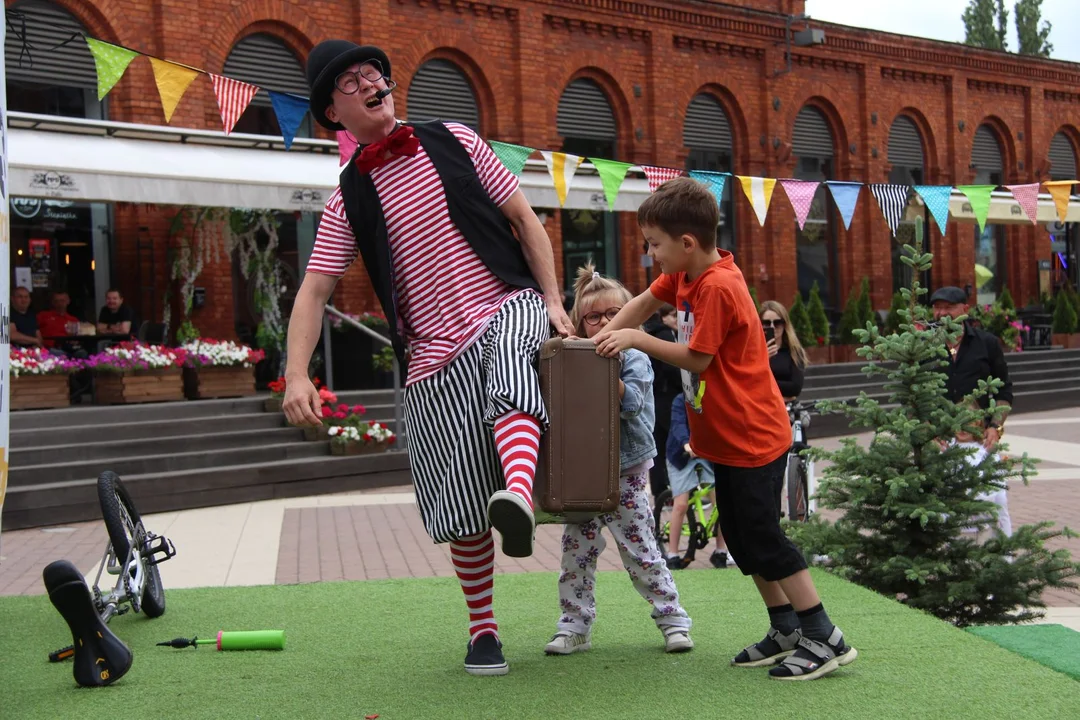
399 142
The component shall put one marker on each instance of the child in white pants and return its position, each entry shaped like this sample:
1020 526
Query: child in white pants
598 300
998 497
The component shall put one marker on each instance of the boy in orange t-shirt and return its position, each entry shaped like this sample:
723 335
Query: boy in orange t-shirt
737 419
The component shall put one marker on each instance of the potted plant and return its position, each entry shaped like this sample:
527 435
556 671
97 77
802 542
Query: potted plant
277 394
131 372
377 437
819 325
804 331
219 368
349 342
1065 321
1001 322
40 379
382 363
345 440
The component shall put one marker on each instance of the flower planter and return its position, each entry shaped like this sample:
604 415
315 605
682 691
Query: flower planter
1071 340
160 385
39 391
844 353
354 447
316 433
818 354
272 404
219 382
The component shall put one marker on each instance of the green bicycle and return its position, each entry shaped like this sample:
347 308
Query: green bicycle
702 520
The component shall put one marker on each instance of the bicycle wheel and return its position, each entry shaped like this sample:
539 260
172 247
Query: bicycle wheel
798 491
662 517
122 522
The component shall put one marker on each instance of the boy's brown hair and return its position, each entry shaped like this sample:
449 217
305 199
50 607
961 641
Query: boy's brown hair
682 206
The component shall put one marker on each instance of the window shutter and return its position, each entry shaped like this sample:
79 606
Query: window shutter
986 151
811 136
266 61
905 144
706 126
440 91
584 112
47 25
1063 158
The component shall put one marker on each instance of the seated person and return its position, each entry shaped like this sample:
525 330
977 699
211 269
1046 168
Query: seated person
23 329
685 472
58 322
787 358
116 318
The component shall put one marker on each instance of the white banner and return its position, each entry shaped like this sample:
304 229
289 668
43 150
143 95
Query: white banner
5 279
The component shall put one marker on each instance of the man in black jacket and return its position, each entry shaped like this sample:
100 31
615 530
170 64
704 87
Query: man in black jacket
465 274
975 356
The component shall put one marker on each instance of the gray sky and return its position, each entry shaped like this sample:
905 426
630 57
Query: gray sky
940 19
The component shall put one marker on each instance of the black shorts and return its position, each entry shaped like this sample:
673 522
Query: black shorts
747 499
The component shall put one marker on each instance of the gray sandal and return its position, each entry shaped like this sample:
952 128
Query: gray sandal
752 656
813 659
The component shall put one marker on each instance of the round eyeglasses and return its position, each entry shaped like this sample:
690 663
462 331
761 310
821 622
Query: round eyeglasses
593 318
348 82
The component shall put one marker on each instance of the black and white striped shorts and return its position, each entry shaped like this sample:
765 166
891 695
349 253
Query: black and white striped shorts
450 418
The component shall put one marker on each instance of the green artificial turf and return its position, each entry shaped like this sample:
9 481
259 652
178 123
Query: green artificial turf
395 648
1055 646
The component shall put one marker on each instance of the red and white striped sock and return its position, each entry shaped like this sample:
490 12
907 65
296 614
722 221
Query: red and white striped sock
474 561
517 438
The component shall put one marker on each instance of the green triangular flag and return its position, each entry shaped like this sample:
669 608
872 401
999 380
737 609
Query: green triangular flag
111 62
979 197
512 156
612 173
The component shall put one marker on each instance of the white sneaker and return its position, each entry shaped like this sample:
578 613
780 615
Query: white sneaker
566 642
677 641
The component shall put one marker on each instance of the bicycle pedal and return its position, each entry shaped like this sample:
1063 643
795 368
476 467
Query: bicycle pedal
156 545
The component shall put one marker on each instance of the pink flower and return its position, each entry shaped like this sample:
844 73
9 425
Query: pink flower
326 412
340 415
343 408
359 409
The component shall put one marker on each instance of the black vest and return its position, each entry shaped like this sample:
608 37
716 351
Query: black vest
472 211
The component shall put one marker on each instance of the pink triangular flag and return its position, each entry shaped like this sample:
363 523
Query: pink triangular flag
657 176
346 145
801 195
233 97
1028 197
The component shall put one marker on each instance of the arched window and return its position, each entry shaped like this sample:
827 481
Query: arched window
43 78
586 123
1064 245
441 91
266 61
1063 158
812 144
908 168
707 134
988 160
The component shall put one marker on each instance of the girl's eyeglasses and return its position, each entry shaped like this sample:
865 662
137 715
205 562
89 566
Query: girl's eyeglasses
772 323
593 318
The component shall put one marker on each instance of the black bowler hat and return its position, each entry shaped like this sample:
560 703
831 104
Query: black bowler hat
951 295
329 59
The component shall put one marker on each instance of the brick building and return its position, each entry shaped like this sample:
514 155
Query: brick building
696 85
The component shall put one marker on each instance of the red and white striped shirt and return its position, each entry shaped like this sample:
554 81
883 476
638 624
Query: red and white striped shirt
445 293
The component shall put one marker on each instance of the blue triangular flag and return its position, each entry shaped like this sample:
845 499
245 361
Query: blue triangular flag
845 195
290 111
712 180
936 198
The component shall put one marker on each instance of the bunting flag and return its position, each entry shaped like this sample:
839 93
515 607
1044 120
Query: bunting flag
290 111
346 146
657 176
801 195
892 199
111 61
937 199
612 173
712 180
562 167
845 195
233 97
1028 197
172 82
1060 190
759 192
979 197
511 156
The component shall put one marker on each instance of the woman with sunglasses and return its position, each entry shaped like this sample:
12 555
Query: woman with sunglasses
787 358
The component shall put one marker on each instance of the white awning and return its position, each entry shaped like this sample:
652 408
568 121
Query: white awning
94 160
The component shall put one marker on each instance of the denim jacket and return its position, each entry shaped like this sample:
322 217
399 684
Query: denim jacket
638 411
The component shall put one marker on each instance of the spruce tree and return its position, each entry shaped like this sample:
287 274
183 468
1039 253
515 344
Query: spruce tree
849 320
819 321
1065 319
800 322
1005 300
865 306
907 498
893 319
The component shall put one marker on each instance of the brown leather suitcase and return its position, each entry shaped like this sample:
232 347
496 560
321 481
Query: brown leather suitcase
577 473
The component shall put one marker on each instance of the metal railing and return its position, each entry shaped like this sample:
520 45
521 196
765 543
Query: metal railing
328 360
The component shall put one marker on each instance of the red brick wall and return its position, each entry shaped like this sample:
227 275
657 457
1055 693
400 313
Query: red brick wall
651 59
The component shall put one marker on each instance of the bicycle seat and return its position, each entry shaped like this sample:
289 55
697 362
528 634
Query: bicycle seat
101 658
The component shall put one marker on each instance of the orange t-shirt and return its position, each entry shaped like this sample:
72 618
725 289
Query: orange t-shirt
737 415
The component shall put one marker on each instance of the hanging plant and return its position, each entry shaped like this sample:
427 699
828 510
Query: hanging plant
260 266
198 241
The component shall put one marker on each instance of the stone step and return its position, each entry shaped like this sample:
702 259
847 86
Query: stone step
76 500
1020 379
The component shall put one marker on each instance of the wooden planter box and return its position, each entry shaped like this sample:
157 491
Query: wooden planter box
356 448
844 353
272 404
218 382
1072 340
40 391
317 433
818 354
138 387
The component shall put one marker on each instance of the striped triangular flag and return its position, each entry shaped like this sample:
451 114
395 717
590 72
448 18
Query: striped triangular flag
233 97
657 176
801 194
1027 196
892 199
759 192
562 167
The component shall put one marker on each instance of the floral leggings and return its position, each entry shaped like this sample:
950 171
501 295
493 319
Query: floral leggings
631 526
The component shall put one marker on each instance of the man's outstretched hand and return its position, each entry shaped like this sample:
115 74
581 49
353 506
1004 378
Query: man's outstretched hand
559 319
301 403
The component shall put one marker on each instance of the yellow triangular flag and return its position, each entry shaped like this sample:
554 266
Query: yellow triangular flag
1060 190
759 192
562 167
172 82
